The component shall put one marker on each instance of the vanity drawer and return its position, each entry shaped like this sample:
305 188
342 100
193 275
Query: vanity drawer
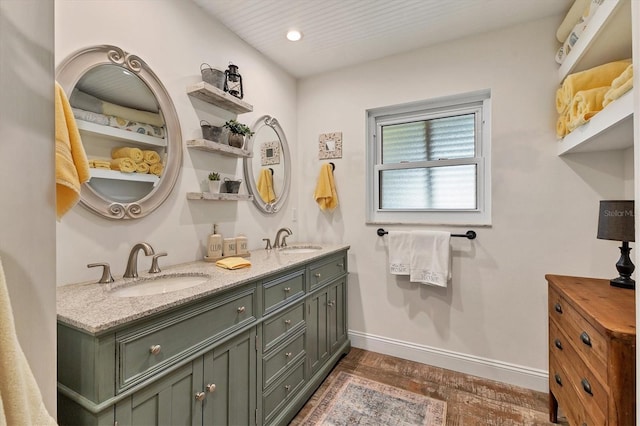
143 350
276 329
282 391
326 270
279 359
282 291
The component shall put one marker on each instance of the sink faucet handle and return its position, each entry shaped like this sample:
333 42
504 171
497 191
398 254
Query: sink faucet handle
268 247
284 241
106 272
154 263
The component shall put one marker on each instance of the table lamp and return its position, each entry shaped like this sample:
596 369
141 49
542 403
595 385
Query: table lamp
616 222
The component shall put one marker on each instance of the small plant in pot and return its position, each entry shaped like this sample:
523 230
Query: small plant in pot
237 133
214 182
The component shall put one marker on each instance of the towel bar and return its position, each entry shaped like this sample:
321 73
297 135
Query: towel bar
469 234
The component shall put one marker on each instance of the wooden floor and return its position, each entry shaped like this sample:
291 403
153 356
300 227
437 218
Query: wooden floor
470 400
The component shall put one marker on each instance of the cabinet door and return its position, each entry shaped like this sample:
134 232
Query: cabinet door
317 330
230 372
336 314
168 401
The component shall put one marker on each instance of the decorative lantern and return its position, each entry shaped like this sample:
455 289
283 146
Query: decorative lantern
233 81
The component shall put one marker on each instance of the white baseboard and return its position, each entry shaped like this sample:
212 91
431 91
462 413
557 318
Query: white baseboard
518 375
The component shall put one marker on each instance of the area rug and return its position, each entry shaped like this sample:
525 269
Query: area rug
353 400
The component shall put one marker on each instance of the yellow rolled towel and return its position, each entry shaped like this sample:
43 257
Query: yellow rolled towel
615 93
156 169
124 164
585 105
561 104
233 263
150 157
599 76
622 79
142 168
128 152
562 125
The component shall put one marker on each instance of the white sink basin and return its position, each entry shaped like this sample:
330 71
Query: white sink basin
160 285
299 249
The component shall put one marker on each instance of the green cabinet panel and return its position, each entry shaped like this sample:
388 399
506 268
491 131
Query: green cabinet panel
276 361
337 313
317 330
278 327
326 270
279 395
283 290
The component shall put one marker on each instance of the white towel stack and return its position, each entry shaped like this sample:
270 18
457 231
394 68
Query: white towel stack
423 255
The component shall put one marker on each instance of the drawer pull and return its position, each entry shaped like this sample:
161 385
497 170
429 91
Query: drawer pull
211 388
585 338
287 289
241 309
340 265
317 275
586 386
558 308
288 354
200 396
287 388
558 379
558 344
287 322
155 349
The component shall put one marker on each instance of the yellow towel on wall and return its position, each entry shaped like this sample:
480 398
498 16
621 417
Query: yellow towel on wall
150 157
233 263
134 153
265 186
586 104
72 166
325 193
20 398
124 164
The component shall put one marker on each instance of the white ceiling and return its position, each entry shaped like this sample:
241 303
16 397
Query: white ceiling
338 33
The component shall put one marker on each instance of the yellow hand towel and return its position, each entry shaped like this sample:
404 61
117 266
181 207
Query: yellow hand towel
142 168
20 398
265 186
124 164
134 153
585 105
620 80
72 167
151 157
614 94
233 263
156 169
325 193
599 76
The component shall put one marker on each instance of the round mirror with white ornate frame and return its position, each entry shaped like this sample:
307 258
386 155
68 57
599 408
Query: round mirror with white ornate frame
124 113
268 171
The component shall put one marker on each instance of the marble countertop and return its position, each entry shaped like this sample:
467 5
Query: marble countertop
94 308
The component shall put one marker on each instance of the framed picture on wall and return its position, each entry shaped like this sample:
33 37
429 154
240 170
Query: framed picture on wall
270 153
330 145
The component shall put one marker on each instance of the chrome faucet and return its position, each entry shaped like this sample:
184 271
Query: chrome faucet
132 263
278 243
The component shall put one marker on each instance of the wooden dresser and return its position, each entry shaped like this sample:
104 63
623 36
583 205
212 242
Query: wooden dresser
592 351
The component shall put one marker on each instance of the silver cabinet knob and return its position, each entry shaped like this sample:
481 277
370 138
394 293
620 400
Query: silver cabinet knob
340 265
288 354
330 303
211 388
287 322
241 309
155 349
317 275
200 396
287 289
287 388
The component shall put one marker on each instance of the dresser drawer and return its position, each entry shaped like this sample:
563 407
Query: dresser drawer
279 395
279 292
327 269
143 350
280 358
276 329
587 341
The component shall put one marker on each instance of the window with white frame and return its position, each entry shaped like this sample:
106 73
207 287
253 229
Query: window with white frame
429 162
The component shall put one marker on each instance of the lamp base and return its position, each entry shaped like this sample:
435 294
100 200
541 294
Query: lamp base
623 282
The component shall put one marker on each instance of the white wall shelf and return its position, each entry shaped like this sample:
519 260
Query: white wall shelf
610 129
118 175
208 196
119 134
219 148
606 38
211 94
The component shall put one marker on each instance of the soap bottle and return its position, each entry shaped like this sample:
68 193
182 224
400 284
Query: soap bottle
241 245
214 244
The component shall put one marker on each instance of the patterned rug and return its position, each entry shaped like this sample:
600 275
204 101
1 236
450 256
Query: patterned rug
352 400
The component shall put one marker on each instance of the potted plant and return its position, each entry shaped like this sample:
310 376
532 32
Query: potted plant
238 132
214 182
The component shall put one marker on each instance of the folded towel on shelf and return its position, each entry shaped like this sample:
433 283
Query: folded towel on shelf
584 105
142 167
128 152
150 156
124 164
561 105
100 164
90 116
623 78
621 85
562 125
156 169
430 261
132 114
233 263
71 164
575 13
265 186
136 126
399 252
325 193
20 398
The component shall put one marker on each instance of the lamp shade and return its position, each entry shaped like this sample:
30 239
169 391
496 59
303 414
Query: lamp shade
616 220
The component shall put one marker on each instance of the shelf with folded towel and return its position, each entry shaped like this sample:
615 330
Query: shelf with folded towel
209 196
212 95
608 130
118 175
217 147
606 38
471 235
118 134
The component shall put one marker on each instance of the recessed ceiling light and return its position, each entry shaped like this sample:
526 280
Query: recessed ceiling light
294 35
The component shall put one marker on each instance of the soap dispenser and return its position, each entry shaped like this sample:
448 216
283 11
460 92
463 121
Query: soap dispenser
214 244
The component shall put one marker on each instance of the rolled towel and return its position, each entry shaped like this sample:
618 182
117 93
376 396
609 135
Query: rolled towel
561 105
151 157
128 152
585 105
614 94
620 80
142 167
156 169
124 164
599 76
562 125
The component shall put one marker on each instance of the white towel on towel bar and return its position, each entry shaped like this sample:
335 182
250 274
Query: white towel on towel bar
430 261
399 252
